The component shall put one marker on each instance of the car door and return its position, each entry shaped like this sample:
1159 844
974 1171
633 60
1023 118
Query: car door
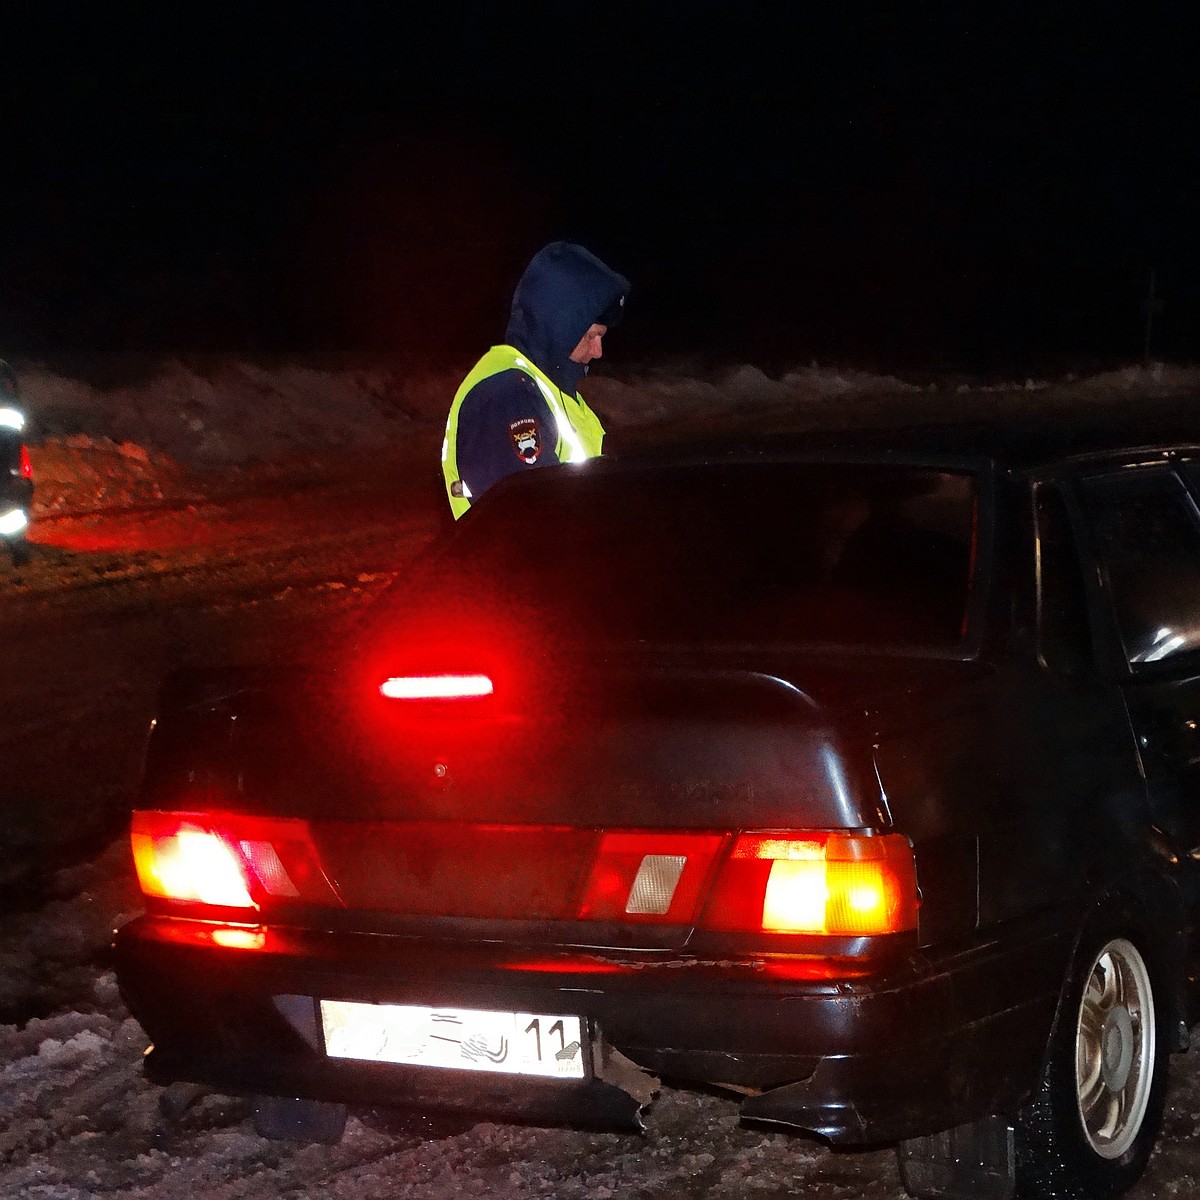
1065 759
1061 763
1145 529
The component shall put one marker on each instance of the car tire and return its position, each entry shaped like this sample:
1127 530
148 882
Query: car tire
297 1120
1088 1131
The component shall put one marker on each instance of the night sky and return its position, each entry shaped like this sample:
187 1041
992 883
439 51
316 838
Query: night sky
960 188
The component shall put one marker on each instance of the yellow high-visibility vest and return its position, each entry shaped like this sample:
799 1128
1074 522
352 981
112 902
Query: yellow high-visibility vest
580 434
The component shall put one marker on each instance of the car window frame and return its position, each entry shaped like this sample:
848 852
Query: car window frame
1136 475
1086 563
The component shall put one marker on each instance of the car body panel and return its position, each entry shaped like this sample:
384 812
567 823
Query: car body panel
1032 785
746 1025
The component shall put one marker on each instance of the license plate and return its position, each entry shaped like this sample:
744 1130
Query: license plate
507 1043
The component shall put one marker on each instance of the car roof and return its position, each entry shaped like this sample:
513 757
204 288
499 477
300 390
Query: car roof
1019 448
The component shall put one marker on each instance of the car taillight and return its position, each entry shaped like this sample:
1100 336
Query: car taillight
815 883
26 464
774 882
648 876
187 862
436 687
228 861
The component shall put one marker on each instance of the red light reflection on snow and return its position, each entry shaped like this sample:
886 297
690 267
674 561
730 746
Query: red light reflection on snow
84 541
128 533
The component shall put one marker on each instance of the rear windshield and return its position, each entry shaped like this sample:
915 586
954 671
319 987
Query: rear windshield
733 552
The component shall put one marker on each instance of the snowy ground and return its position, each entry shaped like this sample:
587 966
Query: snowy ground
193 514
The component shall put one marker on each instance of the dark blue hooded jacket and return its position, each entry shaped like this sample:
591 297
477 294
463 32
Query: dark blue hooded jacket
563 292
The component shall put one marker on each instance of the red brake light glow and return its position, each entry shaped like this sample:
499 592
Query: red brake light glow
182 861
826 883
832 884
436 687
227 861
778 882
26 464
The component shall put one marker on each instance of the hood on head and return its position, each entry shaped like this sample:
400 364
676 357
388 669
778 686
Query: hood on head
563 292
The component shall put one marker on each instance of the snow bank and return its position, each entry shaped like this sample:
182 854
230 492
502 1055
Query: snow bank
232 413
108 433
227 411
48 954
79 473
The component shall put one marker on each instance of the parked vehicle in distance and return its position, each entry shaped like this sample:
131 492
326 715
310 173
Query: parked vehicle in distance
856 780
16 469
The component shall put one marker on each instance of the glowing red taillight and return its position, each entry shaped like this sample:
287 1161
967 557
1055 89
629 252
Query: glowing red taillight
228 861
791 882
436 687
26 464
178 860
778 882
815 883
649 876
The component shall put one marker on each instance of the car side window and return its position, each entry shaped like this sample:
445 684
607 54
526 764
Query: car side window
1148 538
1064 624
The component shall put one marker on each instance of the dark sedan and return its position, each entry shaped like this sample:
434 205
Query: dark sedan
860 782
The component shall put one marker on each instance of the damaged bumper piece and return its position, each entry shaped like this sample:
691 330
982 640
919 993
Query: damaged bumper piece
859 1061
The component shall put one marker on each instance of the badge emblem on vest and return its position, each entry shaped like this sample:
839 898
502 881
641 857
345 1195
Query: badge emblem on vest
527 439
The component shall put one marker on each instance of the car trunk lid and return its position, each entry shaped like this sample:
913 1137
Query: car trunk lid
609 824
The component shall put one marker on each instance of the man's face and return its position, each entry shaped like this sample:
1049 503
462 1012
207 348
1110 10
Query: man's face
590 345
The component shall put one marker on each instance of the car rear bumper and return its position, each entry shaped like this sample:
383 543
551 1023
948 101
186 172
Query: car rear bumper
922 1047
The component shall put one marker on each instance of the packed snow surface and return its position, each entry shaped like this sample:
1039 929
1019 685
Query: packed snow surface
203 511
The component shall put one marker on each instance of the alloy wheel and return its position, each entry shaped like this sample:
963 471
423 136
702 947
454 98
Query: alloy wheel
1114 1049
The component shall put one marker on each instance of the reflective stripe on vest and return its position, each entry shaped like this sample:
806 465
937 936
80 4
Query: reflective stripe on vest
580 434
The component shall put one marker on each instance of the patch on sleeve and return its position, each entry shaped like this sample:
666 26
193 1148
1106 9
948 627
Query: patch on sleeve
526 438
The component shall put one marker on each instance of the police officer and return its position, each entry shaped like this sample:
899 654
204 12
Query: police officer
520 407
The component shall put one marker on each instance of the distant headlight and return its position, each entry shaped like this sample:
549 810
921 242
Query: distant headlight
12 418
13 522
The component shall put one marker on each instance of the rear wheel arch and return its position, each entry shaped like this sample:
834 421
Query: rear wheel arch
1151 904
1089 1127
